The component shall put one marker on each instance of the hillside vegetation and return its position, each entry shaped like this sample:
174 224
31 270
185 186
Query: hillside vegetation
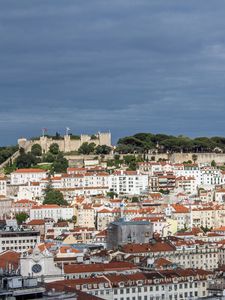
6 152
162 143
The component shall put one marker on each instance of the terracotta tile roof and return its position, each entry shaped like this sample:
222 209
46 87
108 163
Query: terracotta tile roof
46 206
24 201
67 249
221 228
155 196
104 210
36 222
69 286
162 262
179 208
29 171
143 248
9 260
102 233
91 268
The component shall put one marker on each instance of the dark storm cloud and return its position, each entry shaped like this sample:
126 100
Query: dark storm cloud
124 66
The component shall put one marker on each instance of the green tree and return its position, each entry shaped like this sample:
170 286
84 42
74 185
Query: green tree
74 219
53 196
26 160
131 162
142 142
54 148
134 199
86 148
60 164
213 163
6 152
103 149
194 157
36 150
111 195
48 157
21 217
9 168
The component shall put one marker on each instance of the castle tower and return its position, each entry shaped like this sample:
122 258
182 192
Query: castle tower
105 138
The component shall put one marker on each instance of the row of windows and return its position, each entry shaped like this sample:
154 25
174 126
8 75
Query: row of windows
19 241
162 297
157 288
16 248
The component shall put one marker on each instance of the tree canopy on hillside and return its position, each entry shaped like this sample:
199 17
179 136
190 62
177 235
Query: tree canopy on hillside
53 196
142 142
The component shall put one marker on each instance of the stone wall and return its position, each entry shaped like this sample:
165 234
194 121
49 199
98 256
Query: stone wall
201 157
67 144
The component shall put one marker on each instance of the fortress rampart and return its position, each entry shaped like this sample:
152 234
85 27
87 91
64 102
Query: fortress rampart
219 158
66 144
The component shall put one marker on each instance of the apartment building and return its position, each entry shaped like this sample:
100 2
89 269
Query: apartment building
23 176
3 185
19 240
128 182
187 254
86 216
187 184
177 284
51 211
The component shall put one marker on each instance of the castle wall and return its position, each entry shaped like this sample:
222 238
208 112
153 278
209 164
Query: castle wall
66 144
201 157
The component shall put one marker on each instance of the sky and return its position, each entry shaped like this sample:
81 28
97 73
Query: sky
123 66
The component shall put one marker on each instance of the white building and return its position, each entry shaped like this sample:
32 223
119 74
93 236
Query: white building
85 180
187 184
128 182
52 211
156 285
18 240
3 185
23 176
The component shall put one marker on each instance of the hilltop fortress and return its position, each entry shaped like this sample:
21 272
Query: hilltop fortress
67 143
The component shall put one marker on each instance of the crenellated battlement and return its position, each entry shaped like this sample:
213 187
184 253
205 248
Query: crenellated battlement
67 144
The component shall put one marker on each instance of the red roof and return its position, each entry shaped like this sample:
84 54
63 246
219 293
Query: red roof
46 206
179 208
67 249
143 248
9 260
36 222
29 171
90 268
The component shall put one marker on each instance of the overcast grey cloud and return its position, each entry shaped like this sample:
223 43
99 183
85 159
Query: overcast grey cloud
125 66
